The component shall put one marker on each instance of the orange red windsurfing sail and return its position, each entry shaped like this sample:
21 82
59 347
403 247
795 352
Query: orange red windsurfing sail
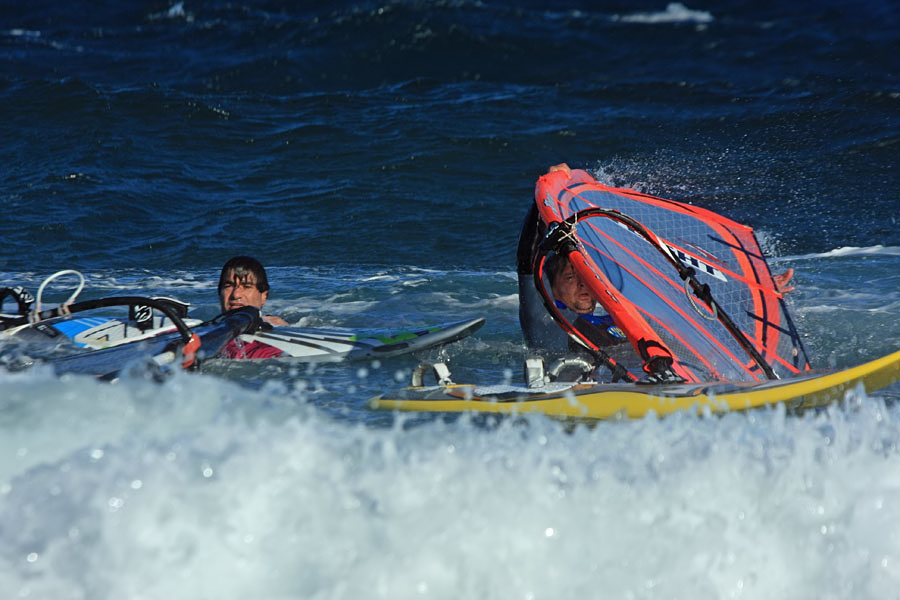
679 280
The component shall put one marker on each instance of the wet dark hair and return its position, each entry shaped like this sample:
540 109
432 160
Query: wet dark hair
555 265
242 267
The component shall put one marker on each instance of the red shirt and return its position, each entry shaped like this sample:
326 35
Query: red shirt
237 348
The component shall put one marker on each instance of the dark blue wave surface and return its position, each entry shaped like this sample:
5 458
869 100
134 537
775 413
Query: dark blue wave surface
412 132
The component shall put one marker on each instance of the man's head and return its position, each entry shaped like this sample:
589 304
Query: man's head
243 282
567 286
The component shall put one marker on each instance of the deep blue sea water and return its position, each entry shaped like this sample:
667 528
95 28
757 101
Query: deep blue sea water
379 159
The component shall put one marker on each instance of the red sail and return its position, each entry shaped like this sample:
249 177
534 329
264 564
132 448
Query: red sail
638 285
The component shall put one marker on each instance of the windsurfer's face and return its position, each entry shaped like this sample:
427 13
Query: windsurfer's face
241 291
569 289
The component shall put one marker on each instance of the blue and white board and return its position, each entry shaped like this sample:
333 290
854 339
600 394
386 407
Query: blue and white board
298 343
332 345
107 332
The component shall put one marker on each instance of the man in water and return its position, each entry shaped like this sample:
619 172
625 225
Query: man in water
573 299
575 303
570 293
243 282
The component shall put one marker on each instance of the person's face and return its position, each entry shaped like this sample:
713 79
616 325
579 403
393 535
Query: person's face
569 289
241 292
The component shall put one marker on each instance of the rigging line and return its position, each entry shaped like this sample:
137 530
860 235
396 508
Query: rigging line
715 312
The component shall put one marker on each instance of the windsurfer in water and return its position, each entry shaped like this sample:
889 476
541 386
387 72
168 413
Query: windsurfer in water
570 293
573 299
243 282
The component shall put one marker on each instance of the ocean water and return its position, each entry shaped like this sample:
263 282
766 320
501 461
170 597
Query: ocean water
379 158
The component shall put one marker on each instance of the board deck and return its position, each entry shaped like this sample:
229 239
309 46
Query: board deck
298 343
329 345
162 350
96 332
106 332
620 401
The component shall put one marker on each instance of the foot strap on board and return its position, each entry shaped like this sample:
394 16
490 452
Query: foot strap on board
439 369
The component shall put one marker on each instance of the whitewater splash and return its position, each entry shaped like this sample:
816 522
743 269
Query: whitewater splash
675 12
876 250
201 488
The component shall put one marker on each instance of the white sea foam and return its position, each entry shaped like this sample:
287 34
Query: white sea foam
206 489
176 11
877 250
675 12
504 302
26 33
